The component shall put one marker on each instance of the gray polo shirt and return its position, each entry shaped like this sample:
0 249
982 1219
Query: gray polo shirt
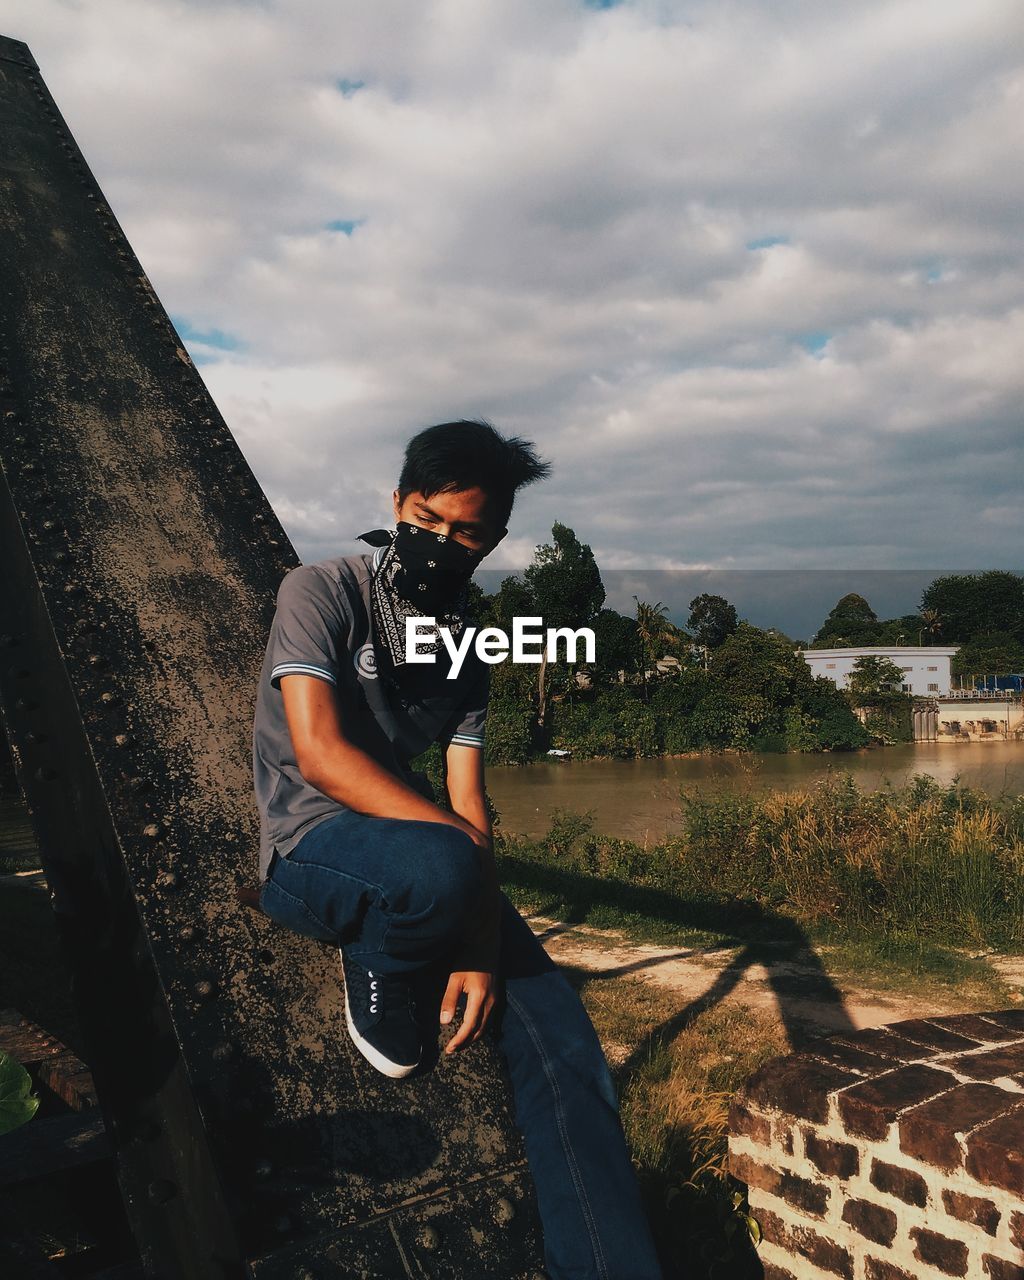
323 627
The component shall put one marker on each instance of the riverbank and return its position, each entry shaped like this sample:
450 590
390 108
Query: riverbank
640 799
768 921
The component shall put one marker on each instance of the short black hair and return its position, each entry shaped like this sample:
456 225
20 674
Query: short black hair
453 456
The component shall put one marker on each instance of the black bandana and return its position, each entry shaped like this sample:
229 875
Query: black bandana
421 573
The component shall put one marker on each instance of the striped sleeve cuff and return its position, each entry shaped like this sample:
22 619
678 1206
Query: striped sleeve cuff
467 739
302 669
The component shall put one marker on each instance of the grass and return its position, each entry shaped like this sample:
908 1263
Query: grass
674 1098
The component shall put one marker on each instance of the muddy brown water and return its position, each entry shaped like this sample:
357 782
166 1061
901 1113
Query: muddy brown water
639 799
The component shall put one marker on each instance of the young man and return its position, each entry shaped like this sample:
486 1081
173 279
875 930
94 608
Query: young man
355 851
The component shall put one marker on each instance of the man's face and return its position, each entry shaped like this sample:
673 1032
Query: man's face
464 516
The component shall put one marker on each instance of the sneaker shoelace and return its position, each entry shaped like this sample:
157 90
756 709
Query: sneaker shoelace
376 992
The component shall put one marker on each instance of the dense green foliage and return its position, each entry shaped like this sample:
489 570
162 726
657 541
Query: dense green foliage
18 1104
968 605
757 694
726 685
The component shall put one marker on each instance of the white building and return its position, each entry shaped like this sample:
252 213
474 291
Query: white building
926 671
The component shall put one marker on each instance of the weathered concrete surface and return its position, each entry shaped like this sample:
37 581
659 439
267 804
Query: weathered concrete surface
139 562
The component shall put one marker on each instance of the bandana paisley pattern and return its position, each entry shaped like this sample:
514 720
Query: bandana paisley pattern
390 609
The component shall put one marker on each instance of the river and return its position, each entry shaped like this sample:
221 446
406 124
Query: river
640 798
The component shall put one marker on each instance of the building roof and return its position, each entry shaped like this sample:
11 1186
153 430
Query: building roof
880 650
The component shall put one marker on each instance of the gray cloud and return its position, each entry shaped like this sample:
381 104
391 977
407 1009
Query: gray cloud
554 209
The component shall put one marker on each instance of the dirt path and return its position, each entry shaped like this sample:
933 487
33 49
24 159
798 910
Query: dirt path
798 991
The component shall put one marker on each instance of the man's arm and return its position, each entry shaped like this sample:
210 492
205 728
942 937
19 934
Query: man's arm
465 770
476 961
332 763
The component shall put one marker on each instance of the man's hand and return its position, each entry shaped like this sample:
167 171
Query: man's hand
479 988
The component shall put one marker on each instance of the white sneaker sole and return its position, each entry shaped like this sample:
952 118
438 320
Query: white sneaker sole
396 1070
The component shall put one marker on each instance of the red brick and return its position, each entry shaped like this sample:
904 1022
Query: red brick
905 1184
837 1159
995 1152
798 1085
810 1197
921 1031
848 1055
887 1043
869 1108
772 1272
743 1121
70 1079
871 1220
1012 1019
947 1256
929 1132
1008 1060
877 1270
807 1243
1000 1269
973 1209
752 1172
978 1027
782 1136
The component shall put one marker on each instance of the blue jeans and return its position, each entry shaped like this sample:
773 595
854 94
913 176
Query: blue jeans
394 893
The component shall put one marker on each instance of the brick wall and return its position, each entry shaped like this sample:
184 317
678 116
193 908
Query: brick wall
895 1153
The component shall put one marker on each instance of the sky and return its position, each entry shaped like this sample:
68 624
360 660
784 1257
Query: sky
748 273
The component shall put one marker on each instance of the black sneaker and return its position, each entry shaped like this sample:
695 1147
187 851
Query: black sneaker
381 1018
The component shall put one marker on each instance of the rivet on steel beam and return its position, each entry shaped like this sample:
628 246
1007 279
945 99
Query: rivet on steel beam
71 588
122 739
168 879
108 697
161 1190
429 1238
48 525
97 660
151 830
61 555
223 1051
504 1210
187 933
205 989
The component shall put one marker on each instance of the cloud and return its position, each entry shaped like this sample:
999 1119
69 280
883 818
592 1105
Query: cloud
750 275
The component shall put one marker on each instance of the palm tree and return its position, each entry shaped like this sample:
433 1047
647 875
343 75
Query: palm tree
932 620
650 627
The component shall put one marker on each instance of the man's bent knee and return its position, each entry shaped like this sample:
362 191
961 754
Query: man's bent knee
451 869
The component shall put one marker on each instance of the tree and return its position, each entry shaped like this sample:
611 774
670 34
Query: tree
851 623
651 627
971 604
567 591
615 639
514 598
991 653
871 676
712 620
